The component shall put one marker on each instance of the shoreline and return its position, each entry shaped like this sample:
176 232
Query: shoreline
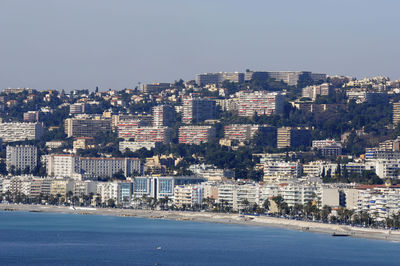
223 218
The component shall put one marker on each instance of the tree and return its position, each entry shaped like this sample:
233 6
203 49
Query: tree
111 203
245 205
266 205
3 168
119 175
326 210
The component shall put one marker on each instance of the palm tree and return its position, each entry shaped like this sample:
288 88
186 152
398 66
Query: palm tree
245 205
266 205
69 196
325 211
279 201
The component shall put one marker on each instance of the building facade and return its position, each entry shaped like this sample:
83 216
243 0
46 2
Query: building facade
259 103
21 157
10 132
196 134
198 109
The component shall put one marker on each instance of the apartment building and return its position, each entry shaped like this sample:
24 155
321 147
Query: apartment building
259 103
196 134
65 165
281 170
21 157
198 109
31 116
17 185
62 165
379 202
84 143
298 193
86 187
293 137
372 154
10 132
134 146
127 128
93 168
155 87
211 172
314 91
61 187
292 78
86 127
328 147
163 115
215 78
396 113
159 187
77 108
188 195
153 134
246 132
40 186
107 191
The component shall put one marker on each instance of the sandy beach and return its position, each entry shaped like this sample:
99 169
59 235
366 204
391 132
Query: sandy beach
209 217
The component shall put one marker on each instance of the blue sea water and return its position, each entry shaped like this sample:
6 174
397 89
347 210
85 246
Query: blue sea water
66 239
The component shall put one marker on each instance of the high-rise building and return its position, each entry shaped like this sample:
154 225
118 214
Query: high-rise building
143 120
293 137
154 87
66 165
198 109
31 116
127 128
316 90
10 132
153 134
86 127
215 78
92 168
245 132
396 113
291 78
21 157
159 187
163 115
328 147
134 146
255 75
275 170
77 108
196 134
260 103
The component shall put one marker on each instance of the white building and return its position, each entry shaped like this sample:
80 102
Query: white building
281 170
10 132
21 157
134 146
188 195
259 103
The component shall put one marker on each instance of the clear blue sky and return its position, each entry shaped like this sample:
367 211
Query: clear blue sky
58 44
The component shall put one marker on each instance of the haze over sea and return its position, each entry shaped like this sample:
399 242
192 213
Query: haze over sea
65 239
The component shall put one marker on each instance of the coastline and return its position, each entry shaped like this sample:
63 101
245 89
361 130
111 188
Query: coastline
223 218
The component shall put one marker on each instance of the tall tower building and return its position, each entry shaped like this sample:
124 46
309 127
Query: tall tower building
396 113
163 115
198 109
293 137
21 157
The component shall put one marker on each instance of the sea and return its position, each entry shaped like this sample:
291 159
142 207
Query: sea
29 238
